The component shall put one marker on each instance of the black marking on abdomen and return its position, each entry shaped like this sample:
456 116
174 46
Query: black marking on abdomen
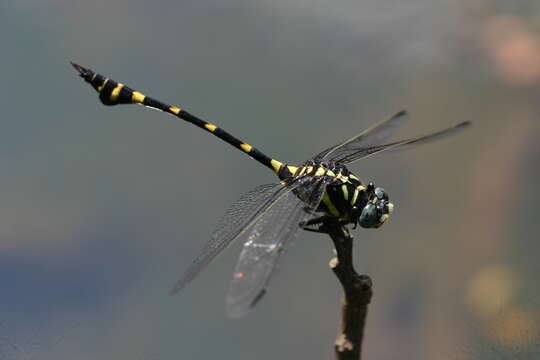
112 93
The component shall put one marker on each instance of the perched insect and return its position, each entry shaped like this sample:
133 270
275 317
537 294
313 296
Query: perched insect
308 195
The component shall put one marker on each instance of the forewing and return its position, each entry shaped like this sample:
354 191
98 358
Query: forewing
374 135
402 144
237 218
265 243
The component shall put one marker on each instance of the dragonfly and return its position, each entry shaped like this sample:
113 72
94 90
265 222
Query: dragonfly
306 196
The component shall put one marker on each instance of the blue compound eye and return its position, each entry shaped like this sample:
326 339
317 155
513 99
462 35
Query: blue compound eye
381 193
369 216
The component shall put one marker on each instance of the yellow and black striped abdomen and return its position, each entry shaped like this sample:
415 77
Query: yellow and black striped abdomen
113 93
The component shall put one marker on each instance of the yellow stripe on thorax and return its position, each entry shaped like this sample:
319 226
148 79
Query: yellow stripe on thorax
331 207
355 196
322 171
343 178
356 193
345 191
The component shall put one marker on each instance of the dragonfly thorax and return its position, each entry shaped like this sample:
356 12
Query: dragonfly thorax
345 197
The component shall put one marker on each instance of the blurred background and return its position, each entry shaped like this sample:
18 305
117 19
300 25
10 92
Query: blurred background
103 208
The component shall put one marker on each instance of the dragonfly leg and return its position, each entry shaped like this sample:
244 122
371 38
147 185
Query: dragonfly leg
322 222
315 221
315 230
311 224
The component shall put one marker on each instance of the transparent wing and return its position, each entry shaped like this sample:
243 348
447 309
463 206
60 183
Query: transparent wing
237 218
266 242
361 153
374 135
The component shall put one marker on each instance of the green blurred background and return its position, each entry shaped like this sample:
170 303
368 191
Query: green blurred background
103 208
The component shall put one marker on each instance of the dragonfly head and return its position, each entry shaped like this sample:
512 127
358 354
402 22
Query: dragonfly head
377 209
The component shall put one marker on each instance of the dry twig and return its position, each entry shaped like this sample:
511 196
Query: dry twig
357 295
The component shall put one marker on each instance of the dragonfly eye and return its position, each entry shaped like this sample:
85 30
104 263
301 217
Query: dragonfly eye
377 210
381 194
369 217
